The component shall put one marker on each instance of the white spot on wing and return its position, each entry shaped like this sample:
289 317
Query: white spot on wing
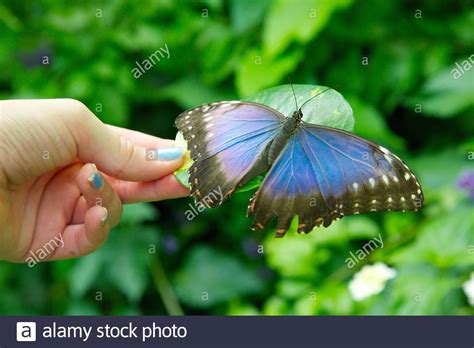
385 179
384 150
388 158
372 182
355 186
407 176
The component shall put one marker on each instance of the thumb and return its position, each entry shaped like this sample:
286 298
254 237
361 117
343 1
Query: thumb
118 156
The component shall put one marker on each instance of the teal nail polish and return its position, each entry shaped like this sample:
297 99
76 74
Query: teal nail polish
169 153
96 180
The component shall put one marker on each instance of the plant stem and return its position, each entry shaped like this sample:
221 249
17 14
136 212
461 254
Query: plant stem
164 288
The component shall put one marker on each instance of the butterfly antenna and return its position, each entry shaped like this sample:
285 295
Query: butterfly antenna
314 96
294 94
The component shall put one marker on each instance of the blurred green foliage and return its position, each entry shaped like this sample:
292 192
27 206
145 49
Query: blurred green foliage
393 62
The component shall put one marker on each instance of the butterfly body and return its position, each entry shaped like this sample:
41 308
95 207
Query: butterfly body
318 173
289 127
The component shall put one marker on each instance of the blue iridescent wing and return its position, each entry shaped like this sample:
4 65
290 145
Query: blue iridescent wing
324 174
228 143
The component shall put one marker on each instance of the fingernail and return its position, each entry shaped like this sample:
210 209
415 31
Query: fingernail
104 218
169 153
96 180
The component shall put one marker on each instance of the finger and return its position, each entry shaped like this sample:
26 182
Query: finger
103 212
54 213
118 156
65 129
85 238
165 188
141 139
97 191
79 211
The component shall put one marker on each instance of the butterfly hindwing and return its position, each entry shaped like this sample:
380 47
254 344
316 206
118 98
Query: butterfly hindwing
227 141
324 174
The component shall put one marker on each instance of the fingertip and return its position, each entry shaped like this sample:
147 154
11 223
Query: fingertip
96 228
86 176
173 153
165 160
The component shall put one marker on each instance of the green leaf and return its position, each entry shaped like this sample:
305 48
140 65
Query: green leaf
127 258
440 170
334 299
292 288
370 123
443 242
287 22
82 307
256 70
218 56
127 271
136 213
275 306
245 14
209 277
328 109
84 273
448 92
418 289
292 256
191 92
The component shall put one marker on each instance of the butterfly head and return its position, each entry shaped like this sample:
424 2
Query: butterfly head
297 115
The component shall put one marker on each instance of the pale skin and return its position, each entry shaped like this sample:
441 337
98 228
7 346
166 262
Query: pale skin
48 151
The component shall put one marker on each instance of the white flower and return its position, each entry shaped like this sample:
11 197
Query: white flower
370 280
468 287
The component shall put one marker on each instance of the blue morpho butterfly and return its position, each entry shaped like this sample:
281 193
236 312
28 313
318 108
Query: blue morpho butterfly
318 173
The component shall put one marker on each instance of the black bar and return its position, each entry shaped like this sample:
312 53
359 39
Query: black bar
210 331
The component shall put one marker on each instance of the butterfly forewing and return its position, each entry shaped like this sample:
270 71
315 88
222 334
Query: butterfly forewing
324 174
227 141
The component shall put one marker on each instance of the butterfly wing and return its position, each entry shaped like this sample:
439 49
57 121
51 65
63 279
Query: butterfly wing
227 141
324 174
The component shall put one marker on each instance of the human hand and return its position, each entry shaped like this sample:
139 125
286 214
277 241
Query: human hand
64 176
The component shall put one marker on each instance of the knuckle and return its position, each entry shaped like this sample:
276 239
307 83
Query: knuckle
75 113
127 153
74 105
